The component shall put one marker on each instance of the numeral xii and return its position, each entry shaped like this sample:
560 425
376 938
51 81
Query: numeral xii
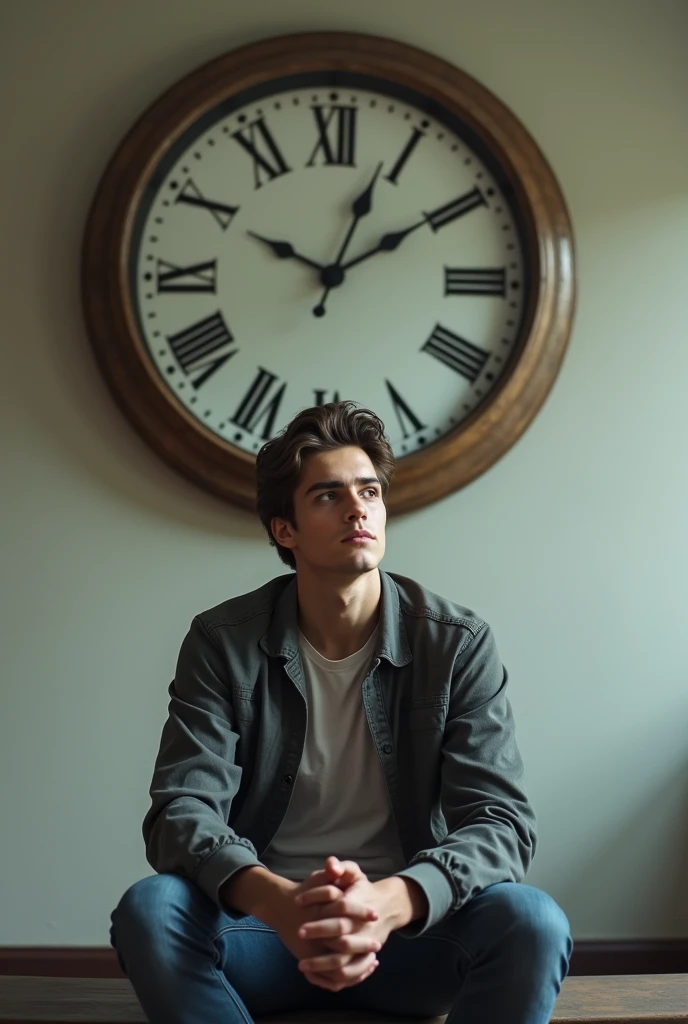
336 128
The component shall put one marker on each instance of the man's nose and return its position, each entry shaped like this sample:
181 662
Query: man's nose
357 509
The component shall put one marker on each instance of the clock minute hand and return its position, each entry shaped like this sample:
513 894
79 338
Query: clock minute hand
360 208
333 275
388 243
286 251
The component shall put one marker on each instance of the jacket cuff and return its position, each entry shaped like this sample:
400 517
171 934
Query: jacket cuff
219 867
438 892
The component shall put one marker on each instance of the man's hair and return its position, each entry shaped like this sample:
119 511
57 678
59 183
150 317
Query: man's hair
320 429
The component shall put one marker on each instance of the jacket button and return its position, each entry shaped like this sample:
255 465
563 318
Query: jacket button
387 748
289 779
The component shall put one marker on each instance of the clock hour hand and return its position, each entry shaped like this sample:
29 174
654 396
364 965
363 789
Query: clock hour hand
388 243
284 251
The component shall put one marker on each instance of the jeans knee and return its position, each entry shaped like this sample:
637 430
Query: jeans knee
528 916
536 918
151 901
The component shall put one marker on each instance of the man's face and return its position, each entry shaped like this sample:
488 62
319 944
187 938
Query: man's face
337 501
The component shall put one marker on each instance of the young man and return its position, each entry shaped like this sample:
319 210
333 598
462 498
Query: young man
338 818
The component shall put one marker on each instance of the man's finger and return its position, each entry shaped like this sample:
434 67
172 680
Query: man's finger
344 872
354 944
317 879
345 909
334 975
341 928
344 906
328 928
351 872
324 963
318 894
327 982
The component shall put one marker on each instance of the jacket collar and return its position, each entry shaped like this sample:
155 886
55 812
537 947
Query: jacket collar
282 636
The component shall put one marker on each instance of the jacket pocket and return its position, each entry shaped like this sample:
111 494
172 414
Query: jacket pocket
426 714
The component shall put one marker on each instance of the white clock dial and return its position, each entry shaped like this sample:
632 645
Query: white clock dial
252 312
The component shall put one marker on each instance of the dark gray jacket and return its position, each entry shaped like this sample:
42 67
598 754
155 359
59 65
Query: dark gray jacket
436 704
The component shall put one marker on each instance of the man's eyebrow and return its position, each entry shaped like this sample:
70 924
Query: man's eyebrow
332 485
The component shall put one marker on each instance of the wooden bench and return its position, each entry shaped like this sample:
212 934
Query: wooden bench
605 999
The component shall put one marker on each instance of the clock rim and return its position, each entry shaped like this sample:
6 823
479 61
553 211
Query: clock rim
462 454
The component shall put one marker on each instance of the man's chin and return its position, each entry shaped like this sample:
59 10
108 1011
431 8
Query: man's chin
352 562
361 561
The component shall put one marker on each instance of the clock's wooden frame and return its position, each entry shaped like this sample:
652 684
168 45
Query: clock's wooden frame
182 441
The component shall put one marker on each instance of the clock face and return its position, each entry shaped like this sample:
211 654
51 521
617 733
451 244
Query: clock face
309 241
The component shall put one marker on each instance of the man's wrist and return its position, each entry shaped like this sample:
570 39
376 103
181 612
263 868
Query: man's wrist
404 900
256 891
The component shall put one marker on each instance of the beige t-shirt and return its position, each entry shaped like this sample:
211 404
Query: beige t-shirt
340 805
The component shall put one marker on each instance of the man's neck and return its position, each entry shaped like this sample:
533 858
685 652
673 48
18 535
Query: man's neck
339 616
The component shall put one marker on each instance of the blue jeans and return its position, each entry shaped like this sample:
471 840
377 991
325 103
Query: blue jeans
500 959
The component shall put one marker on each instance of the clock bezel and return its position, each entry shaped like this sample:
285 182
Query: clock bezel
459 456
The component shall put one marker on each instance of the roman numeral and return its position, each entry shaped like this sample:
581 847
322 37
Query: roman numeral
336 135
257 404
393 175
403 412
261 146
197 277
456 208
192 195
197 348
475 281
321 399
461 355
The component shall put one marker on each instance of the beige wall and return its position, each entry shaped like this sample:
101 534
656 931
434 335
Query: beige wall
574 546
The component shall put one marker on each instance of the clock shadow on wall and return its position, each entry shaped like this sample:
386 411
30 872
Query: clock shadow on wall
323 216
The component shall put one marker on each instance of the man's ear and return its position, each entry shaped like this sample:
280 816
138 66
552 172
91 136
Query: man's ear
283 532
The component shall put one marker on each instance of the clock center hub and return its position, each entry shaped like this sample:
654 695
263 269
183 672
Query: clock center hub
332 276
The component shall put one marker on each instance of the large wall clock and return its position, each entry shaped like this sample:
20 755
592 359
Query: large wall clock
329 215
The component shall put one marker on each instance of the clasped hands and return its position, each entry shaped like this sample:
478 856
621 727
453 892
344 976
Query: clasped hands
340 921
